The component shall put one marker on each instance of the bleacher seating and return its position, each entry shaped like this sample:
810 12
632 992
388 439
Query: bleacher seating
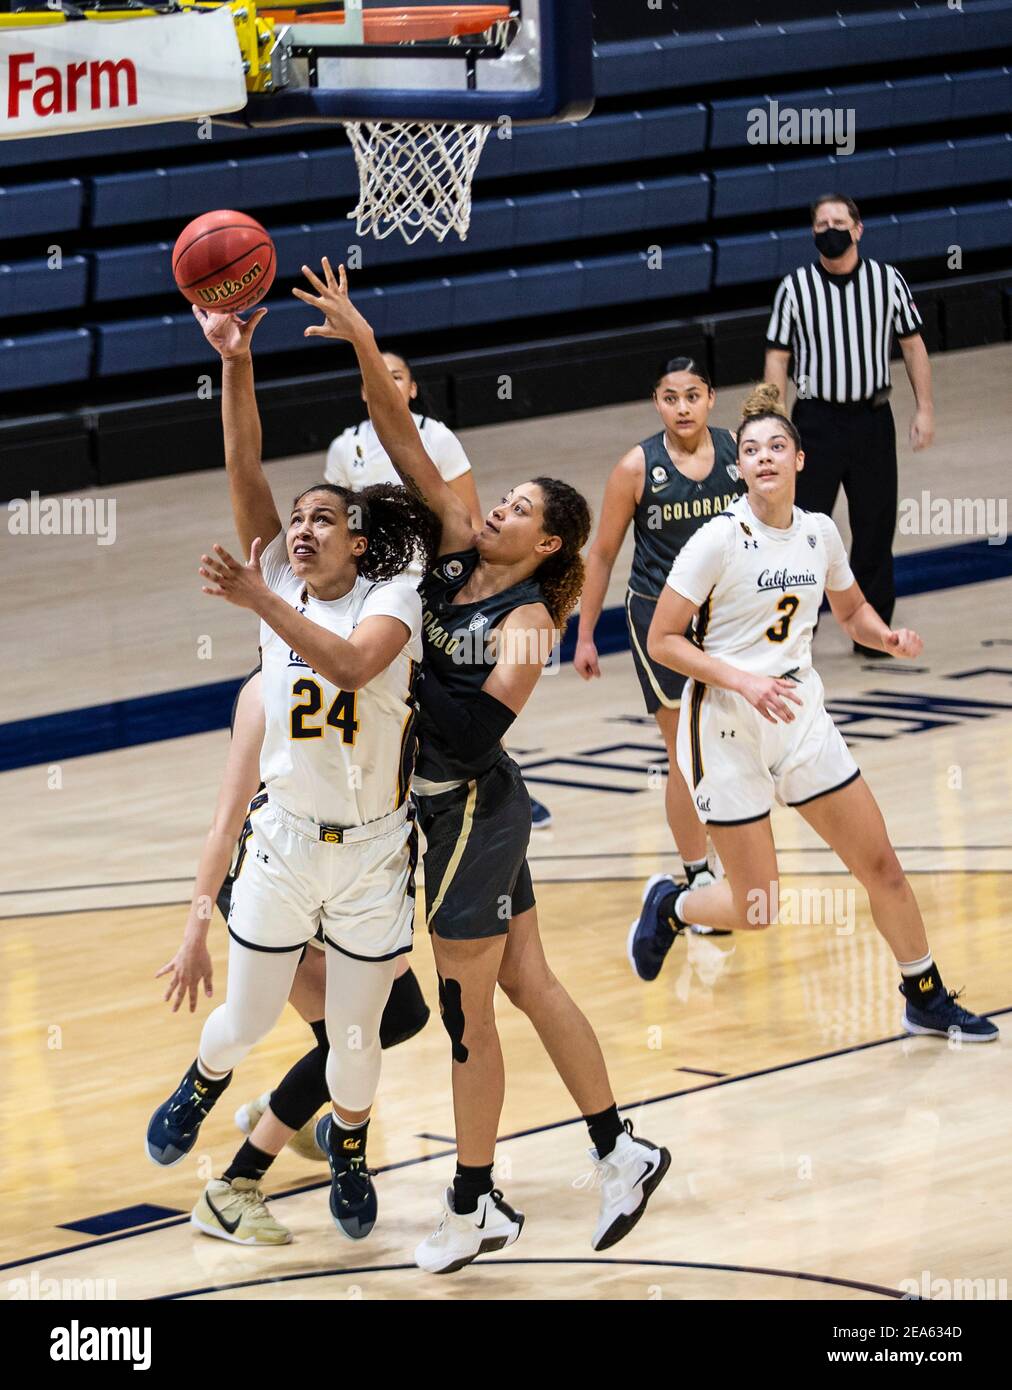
656 165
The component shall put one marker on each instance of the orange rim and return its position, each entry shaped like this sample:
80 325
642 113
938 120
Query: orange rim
414 22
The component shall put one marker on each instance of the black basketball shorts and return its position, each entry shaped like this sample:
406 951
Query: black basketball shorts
476 873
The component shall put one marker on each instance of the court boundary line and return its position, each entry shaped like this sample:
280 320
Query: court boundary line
500 1139
835 1279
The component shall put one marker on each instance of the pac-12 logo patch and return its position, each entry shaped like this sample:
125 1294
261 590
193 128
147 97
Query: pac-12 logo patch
659 473
479 620
745 529
453 569
733 472
811 541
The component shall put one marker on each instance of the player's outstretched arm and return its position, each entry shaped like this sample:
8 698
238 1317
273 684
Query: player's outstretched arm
620 497
252 502
191 965
387 408
864 626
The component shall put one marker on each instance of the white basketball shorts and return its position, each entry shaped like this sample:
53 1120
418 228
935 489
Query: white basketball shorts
736 763
361 893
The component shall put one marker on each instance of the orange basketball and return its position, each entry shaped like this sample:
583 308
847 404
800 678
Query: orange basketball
224 262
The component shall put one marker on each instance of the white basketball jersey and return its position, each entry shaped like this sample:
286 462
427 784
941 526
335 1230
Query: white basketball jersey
758 589
337 757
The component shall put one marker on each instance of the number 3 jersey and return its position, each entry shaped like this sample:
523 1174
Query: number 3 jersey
758 588
340 758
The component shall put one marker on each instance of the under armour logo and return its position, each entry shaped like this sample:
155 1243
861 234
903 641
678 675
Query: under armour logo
727 733
264 858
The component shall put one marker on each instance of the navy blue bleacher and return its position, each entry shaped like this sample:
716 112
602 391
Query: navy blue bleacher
564 216
446 302
496 224
887 104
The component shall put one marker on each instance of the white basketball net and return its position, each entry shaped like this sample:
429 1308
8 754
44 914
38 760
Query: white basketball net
415 176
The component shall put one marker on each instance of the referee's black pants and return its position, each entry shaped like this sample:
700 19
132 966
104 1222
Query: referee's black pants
854 445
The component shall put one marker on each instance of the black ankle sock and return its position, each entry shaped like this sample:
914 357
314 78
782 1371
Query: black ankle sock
604 1130
922 990
406 1011
249 1162
468 1185
348 1142
320 1033
207 1089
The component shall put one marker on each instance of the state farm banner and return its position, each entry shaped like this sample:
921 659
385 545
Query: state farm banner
89 75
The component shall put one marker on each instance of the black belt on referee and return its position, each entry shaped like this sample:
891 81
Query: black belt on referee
876 402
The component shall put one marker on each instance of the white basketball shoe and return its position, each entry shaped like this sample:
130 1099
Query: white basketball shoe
627 1178
459 1239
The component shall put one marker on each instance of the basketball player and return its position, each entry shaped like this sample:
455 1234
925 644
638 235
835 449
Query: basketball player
357 459
754 723
333 841
233 1206
494 605
668 487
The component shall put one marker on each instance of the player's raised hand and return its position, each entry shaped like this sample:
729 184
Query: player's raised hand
190 967
228 334
240 584
904 642
585 660
341 319
769 695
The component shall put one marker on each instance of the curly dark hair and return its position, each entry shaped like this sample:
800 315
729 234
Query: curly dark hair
561 574
397 525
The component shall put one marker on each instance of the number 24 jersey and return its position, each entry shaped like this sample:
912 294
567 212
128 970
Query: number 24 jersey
334 756
758 588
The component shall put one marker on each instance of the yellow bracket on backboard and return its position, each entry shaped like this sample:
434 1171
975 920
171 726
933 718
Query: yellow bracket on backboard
255 35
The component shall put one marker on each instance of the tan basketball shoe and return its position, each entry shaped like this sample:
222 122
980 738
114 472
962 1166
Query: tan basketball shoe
237 1211
303 1141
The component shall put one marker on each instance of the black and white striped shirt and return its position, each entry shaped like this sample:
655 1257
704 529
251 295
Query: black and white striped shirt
840 327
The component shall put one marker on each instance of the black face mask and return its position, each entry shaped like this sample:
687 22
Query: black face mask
833 242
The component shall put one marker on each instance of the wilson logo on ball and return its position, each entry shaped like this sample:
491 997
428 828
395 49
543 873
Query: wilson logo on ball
228 289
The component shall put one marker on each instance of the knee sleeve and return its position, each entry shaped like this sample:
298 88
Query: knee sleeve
300 1093
451 1011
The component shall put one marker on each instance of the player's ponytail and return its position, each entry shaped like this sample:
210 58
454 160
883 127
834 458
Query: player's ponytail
561 574
398 526
763 403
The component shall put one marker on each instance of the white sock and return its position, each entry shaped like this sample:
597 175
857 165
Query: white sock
678 909
348 1124
910 968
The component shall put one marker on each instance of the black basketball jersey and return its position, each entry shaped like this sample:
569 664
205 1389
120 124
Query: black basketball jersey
673 507
457 647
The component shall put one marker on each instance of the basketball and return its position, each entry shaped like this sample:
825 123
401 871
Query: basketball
224 261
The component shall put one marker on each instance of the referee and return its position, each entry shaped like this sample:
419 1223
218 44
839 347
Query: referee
836 318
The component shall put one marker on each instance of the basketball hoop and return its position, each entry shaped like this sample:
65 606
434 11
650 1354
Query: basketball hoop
414 176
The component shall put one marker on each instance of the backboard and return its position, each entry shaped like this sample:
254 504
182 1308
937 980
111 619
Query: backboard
537 67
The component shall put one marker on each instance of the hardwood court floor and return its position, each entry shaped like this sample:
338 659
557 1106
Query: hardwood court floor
808 1139
804 1141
